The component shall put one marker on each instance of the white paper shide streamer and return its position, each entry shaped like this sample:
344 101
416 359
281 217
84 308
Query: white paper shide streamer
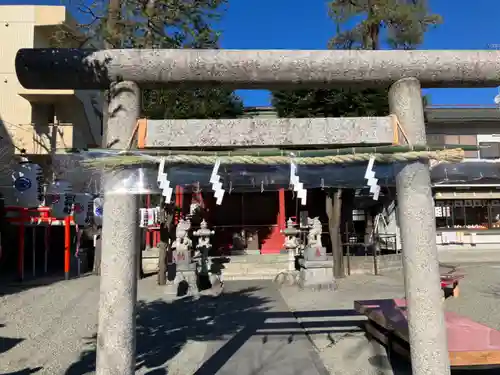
298 186
372 182
217 184
163 182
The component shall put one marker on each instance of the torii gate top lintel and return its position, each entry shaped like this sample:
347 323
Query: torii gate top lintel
254 69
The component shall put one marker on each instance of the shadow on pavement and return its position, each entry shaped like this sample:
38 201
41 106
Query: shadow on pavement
163 328
7 343
25 371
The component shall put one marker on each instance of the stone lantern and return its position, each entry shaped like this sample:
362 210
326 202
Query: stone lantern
291 243
203 247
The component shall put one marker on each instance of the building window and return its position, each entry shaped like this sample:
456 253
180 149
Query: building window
448 139
464 214
466 140
489 150
435 139
495 214
358 215
443 215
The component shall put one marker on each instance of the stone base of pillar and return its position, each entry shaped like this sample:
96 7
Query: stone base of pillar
191 283
216 280
316 275
315 254
184 284
287 278
216 287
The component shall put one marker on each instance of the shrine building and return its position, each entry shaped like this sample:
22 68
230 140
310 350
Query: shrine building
467 196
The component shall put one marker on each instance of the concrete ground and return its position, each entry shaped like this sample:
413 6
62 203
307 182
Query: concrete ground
250 329
336 330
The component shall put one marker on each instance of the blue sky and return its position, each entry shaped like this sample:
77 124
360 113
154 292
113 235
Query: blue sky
291 24
299 24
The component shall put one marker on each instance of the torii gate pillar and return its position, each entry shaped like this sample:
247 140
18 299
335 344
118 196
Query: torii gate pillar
116 336
428 346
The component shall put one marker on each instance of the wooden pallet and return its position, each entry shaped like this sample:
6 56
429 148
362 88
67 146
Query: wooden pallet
470 344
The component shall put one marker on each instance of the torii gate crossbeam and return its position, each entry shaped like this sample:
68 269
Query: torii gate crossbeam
247 69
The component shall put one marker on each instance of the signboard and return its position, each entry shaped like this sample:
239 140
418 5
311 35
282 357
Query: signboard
28 185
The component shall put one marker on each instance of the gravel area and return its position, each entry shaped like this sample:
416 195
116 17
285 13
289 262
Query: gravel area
50 329
479 295
45 328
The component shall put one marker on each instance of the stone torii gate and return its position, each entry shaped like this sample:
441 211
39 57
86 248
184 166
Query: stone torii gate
124 72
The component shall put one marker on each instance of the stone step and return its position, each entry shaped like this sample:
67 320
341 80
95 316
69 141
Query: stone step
250 277
237 266
259 259
246 267
254 266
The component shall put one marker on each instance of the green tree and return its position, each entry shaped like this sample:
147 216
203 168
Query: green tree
331 103
169 24
399 24
361 24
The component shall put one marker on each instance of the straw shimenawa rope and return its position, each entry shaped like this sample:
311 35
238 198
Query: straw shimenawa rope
448 155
